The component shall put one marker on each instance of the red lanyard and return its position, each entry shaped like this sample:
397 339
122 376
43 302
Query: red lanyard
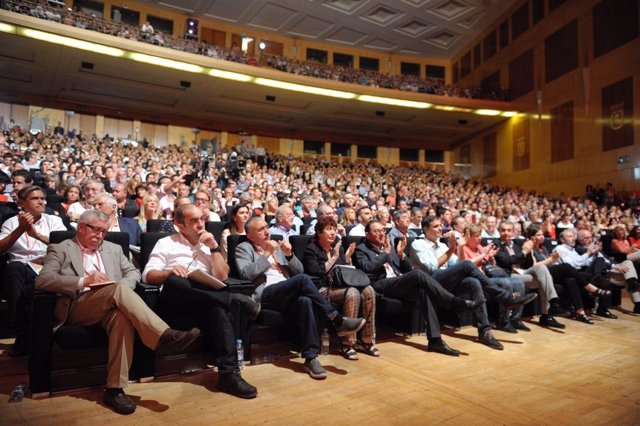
35 240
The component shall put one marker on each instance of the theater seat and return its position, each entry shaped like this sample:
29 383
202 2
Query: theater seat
75 356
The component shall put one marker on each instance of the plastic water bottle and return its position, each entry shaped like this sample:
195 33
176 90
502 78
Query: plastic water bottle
324 342
17 394
240 352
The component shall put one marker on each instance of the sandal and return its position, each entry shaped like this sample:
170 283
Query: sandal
582 318
368 348
600 293
349 353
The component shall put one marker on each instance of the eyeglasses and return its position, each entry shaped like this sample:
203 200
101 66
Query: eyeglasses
96 229
377 231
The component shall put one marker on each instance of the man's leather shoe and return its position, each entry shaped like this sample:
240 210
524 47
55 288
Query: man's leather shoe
249 307
549 321
520 299
557 310
519 325
234 384
606 314
506 327
472 305
486 338
636 308
442 348
173 341
349 325
118 400
19 348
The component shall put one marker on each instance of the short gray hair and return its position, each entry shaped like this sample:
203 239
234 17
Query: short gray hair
91 214
109 199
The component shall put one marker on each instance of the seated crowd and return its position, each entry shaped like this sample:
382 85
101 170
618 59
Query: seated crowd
147 34
420 236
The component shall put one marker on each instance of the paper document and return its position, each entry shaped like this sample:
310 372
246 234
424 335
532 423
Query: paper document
95 286
202 277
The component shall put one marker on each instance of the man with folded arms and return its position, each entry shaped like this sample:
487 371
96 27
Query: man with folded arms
460 278
25 238
79 269
172 260
281 285
394 277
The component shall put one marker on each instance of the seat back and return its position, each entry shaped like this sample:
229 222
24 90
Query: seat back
216 229
299 243
119 238
161 225
148 241
346 241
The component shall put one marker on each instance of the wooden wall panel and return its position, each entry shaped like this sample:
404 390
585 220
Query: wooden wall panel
521 74
561 51
490 150
617 115
615 22
521 145
562 132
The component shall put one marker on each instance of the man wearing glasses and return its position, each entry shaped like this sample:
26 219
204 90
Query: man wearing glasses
96 282
24 238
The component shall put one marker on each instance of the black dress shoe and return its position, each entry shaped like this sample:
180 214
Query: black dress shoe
519 325
173 341
486 338
519 300
557 310
549 321
506 327
234 384
118 400
442 348
606 314
636 308
19 348
249 307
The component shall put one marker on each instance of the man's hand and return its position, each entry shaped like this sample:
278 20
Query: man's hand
286 248
527 246
94 278
179 271
555 255
402 246
208 240
621 268
25 221
269 247
453 244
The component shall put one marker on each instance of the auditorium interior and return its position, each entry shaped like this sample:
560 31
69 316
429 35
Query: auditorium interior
530 98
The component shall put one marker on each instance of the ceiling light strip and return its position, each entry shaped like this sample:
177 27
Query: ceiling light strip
70 42
394 102
305 89
229 75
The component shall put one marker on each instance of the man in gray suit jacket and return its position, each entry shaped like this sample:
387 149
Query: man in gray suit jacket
96 282
281 285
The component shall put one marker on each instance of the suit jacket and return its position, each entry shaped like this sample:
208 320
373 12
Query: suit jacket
131 208
505 260
131 227
253 266
371 261
63 268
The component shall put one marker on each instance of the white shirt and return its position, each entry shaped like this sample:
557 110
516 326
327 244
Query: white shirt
176 250
494 234
424 254
26 248
569 255
76 208
357 231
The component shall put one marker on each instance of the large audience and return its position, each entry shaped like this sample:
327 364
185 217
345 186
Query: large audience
455 242
147 34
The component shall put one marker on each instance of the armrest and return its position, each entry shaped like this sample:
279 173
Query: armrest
148 293
237 285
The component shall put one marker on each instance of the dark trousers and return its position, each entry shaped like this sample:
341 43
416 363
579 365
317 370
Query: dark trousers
571 280
18 281
210 309
418 285
300 296
459 280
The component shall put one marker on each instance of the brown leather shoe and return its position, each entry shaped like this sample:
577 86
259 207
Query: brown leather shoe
173 341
